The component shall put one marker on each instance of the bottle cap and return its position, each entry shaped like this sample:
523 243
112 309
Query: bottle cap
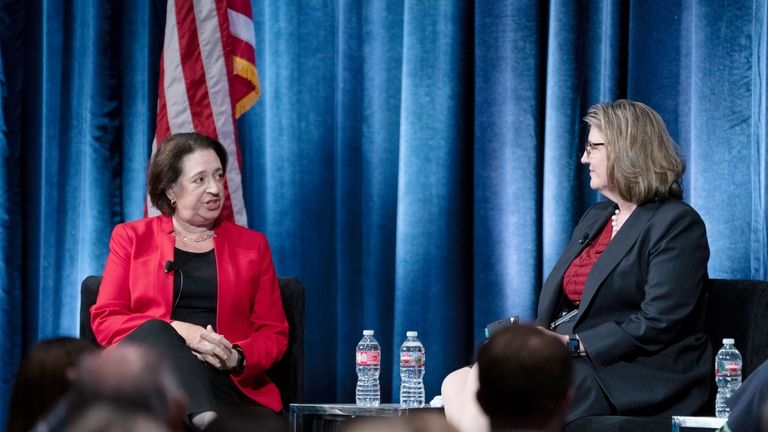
411 333
728 341
367 332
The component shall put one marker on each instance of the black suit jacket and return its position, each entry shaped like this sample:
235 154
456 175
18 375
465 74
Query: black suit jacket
641 318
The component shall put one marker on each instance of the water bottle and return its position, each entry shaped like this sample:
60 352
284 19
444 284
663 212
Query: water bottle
368 362
727 376
412 363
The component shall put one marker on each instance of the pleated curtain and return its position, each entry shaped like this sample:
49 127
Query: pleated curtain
414 163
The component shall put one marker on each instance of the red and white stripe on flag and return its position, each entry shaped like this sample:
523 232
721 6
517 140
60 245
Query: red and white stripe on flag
208 78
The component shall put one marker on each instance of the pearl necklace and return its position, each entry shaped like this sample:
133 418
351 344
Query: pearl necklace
615 222
202 238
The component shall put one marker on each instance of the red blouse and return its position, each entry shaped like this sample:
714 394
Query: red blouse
576 275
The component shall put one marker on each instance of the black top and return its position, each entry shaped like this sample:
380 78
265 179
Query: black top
195 298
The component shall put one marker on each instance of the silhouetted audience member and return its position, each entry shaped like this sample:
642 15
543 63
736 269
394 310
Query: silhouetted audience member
45 374
525 380
248 419
108 417
130 377
416 422
765 418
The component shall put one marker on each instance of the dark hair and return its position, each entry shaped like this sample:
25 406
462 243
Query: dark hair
524 375
114 418
129 375
165 167
44 376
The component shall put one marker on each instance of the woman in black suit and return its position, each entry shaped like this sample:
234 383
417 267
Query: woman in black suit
627 295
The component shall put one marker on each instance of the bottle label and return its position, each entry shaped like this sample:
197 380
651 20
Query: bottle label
728 369
368 358
412 359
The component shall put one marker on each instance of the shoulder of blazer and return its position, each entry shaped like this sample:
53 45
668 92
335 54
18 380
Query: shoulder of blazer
598 208
675 208
240 236
149 225
601 206
594 218
674 213
671 212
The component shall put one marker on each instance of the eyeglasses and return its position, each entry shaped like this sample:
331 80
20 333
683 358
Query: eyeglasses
589 147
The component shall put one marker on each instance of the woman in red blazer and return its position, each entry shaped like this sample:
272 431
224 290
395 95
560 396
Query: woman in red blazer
200 290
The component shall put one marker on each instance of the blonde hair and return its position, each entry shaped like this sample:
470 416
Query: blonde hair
644 163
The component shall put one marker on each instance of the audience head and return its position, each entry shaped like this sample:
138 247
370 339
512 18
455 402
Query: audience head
166 165
417 422
764 418
107 417
643 162
246 419
525 379
45 374
133 378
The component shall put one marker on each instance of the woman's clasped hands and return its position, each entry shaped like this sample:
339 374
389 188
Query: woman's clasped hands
207 345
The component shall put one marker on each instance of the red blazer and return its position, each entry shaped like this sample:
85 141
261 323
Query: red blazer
135 288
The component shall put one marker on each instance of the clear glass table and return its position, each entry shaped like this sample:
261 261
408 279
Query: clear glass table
681 423
330 417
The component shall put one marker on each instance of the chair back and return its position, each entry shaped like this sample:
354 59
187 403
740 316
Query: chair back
287 374
89 290
737 310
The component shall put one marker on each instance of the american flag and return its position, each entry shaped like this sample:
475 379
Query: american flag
208 79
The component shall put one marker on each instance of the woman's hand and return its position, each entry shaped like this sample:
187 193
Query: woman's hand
563 338
229 360
207 345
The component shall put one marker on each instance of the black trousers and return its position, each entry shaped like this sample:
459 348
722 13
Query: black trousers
207 388
589 398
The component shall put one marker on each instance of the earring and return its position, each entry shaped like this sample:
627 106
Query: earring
173 203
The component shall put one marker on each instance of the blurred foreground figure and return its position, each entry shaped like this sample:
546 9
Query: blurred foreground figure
418 422
525 380
44 376
131 379
108 417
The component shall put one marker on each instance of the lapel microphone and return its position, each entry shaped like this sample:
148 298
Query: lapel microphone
170 266
585 239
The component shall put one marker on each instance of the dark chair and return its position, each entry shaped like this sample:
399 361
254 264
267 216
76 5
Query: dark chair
287 374
736 309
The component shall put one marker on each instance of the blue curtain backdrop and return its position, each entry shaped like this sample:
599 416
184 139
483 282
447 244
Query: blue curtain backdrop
414 163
